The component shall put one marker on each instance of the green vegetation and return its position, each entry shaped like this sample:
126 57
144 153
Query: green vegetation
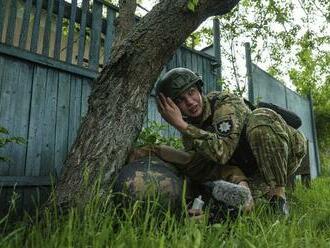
152 135
5 139
102 223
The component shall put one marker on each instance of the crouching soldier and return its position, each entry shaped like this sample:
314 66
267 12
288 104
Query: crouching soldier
224 139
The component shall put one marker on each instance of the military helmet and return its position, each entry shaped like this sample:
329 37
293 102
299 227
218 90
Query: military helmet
149 177
177 81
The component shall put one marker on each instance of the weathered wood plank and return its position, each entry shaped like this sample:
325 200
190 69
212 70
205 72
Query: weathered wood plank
111 15
75 108
199 53
62 117
213 75
59 22
2 62
20 120
37 58
36 27
11 23
67 13
2 94
200 65
10 181
208 78
179 57
25 24
184 57
37 113
205 76
94 50
188 59
173 61
71 31
2 17
46 40
16 152
47 159
7 106
194 62
82 32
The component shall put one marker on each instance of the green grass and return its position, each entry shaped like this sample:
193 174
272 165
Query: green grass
103 224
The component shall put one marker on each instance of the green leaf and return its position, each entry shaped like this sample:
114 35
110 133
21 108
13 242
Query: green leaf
191 6
4 130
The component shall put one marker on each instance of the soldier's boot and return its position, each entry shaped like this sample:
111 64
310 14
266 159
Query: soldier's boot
278 201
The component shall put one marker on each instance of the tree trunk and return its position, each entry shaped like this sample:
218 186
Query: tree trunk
118 101
125 20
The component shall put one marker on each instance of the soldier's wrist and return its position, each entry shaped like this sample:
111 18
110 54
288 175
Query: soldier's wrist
182 126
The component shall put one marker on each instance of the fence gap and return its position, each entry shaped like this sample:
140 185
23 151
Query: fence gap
25 24
36 27
2 17
11 23
95 35
59 23
46 41
71 31
109 34
82 32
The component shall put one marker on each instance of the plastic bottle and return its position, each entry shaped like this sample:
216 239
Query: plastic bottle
198 203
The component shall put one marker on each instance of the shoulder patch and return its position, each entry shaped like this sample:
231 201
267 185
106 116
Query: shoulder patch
223 128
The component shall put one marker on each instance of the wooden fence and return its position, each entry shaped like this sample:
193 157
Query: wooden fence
50 53
78 34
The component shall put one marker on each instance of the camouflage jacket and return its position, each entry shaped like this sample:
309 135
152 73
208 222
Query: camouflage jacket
217 135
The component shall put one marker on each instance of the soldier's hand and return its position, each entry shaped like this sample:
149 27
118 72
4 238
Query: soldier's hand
171 112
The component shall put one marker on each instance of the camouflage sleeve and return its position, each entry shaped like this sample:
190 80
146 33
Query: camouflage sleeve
187 142
219 143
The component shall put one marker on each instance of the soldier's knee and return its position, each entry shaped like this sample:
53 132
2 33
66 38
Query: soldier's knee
263 123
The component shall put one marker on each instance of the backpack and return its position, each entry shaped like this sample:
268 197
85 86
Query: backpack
291 118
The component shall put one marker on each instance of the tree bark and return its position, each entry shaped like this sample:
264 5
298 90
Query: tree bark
125 20
118 101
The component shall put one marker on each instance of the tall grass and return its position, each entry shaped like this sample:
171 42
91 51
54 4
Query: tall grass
103 223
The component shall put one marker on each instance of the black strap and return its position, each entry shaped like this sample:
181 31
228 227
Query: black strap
290 117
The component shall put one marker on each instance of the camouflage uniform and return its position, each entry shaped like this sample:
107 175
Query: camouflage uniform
230 135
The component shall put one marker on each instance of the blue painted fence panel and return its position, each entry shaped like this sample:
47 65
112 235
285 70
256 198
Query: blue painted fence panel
267 88
53 104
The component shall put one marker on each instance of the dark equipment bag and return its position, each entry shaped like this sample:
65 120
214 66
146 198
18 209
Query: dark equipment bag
291 118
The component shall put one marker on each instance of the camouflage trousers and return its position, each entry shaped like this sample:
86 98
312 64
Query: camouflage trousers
277 147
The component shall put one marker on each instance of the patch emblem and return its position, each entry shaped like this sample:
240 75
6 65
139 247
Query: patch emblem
224 127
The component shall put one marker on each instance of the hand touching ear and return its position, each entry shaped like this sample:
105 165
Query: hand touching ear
171 112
